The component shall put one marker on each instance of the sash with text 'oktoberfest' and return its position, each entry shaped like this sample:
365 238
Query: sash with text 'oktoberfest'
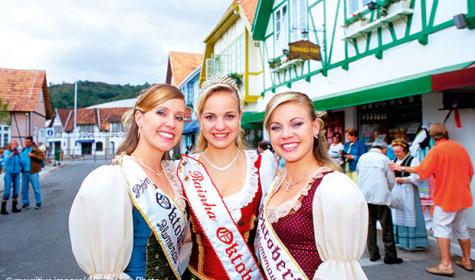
162 214
216 222
276 260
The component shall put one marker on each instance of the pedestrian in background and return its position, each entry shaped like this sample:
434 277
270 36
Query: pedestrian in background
31 159
264 149
12 163
376 181
409 226
335 149
352 152
450 164
57 156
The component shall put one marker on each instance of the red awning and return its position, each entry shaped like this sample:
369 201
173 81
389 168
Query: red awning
459 79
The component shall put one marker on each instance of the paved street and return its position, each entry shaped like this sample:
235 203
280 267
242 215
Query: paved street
35 243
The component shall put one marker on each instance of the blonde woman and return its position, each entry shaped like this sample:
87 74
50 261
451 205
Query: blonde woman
314 222
128 219
221 181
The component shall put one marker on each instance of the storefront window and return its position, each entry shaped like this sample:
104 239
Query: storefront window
389 119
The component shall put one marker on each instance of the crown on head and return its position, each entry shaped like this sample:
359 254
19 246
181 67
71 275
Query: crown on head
217 80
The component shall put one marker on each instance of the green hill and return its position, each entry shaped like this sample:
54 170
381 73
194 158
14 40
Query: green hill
91 93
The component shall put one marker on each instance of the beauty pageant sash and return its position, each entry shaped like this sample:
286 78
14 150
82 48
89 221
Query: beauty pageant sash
276 260
216 222
162 214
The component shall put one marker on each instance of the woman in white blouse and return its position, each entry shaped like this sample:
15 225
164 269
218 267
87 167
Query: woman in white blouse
335 149
128 219
313 224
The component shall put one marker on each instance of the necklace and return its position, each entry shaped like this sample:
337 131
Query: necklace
289 185
222 168
158 173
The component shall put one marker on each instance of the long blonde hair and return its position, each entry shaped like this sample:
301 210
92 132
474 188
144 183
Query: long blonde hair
201 142
320 145
148 99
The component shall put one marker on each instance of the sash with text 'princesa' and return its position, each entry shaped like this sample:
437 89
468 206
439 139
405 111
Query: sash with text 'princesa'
162 214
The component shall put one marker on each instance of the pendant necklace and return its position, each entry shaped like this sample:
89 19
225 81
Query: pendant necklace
289 185
158 173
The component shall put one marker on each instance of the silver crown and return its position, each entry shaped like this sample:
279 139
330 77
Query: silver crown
219 79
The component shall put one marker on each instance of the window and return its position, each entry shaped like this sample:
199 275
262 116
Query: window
190 92
116 127
99 146
299 21
356 5
6 139
57 129
231 59
281 28
212 66
86 128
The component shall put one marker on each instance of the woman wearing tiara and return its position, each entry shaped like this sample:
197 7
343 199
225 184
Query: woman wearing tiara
221 182
314 222
128 219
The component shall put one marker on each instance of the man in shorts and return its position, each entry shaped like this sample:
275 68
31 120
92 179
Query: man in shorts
452 169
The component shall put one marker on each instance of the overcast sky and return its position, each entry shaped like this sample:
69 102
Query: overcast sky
114 41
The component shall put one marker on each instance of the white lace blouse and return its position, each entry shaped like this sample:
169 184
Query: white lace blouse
340 219
101 224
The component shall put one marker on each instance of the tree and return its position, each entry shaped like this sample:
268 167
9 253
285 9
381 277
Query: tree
4 113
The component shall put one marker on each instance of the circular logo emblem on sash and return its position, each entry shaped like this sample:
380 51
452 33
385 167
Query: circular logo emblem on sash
163 201
225 235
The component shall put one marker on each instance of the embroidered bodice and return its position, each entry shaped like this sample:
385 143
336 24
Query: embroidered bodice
298 217
294 204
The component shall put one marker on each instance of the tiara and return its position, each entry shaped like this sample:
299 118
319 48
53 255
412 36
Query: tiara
219 80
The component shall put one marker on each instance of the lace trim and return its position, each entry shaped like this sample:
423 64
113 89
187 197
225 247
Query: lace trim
246 195
295 203
251 185
169 169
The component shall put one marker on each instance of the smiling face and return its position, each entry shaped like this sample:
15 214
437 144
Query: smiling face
399 152
162 127
292 131
220 119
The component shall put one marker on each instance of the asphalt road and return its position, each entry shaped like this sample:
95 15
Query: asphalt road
34 244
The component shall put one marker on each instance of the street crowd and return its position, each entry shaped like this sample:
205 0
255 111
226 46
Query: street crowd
22 167
410 189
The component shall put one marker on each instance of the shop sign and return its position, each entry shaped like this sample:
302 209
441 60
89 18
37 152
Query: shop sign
304 50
